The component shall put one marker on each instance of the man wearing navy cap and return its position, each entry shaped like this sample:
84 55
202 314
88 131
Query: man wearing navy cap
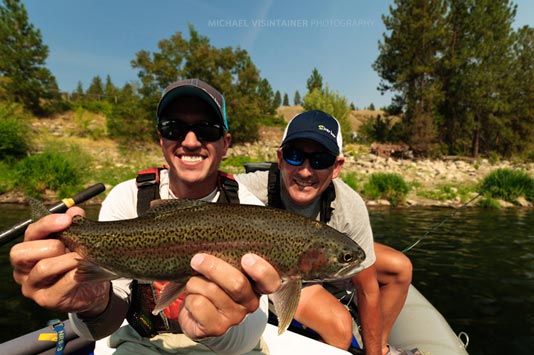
305 181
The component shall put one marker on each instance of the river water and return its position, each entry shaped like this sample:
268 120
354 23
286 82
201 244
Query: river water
476 267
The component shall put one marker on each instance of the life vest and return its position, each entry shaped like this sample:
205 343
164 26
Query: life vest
145 294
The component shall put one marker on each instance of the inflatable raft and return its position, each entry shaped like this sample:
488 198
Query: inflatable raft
419 325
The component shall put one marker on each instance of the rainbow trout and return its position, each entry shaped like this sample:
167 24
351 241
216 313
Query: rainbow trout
160 244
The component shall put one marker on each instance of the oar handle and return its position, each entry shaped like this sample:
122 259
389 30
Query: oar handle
19 228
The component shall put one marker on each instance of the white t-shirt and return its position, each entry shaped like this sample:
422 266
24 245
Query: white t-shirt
121 203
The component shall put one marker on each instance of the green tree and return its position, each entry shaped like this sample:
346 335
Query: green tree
277 99
332 103
24 76
522 100
229 70
111 92
296 99
95 92
477 65
285 102
315 81
266 96
408 64
78 94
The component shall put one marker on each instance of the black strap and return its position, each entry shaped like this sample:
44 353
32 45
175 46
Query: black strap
147 182
229 189
274 197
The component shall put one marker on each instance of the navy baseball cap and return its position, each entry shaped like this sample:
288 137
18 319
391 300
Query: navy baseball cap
198 88
317 126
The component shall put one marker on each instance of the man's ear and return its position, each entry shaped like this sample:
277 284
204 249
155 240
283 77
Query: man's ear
337 166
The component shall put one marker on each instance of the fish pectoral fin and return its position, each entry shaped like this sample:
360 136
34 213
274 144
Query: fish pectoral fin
285 301
169 293
88 271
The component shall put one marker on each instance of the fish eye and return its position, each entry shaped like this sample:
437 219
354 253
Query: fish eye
346 257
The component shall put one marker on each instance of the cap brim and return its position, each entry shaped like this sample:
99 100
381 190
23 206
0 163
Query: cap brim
190 90
330 145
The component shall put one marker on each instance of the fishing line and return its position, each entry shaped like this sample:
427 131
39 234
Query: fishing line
436 226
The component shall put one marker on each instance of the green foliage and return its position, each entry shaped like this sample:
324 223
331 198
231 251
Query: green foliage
391 187
460 75
508 185
488 202
332 103
296 99
229 70
236 164
54 169
447 192
277 101
14 133
351 179
315 81
286 100
22 60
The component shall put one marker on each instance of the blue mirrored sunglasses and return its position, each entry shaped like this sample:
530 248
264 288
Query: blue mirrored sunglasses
318 161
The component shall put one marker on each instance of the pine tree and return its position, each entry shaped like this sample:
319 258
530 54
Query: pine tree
95 92
476 79
315 81
296 99
22 59
286 100
277 99
266 95
408 64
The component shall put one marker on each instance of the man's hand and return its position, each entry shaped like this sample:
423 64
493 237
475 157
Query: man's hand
45 269
223 295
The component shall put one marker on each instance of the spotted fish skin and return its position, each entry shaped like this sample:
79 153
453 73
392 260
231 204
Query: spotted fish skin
160 244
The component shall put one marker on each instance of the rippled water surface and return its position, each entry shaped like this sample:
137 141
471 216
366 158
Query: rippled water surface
477 268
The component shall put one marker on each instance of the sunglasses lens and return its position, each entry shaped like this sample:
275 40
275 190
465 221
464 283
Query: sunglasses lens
318 161
176 131
321 161
207 132
293 156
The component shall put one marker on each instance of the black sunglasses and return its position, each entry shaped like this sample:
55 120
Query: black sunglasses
176 130
318 161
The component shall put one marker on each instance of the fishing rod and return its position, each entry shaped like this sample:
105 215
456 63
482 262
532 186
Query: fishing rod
436 226
18 229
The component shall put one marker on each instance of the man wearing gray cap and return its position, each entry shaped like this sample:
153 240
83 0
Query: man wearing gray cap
212 313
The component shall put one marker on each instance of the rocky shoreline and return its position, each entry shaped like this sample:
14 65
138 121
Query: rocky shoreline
422 175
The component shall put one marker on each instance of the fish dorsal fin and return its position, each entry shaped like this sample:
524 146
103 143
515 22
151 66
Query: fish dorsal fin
39 210
285 302
164 207
169 293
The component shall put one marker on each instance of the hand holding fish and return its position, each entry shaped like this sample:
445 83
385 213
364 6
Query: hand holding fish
223 295
45 269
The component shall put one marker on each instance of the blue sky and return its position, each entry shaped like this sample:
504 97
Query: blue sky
286 39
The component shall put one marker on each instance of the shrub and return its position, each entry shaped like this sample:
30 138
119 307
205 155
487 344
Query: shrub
391 187
14 134
53 169
508 185
351 179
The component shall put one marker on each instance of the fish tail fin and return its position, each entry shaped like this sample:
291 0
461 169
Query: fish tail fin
38 208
